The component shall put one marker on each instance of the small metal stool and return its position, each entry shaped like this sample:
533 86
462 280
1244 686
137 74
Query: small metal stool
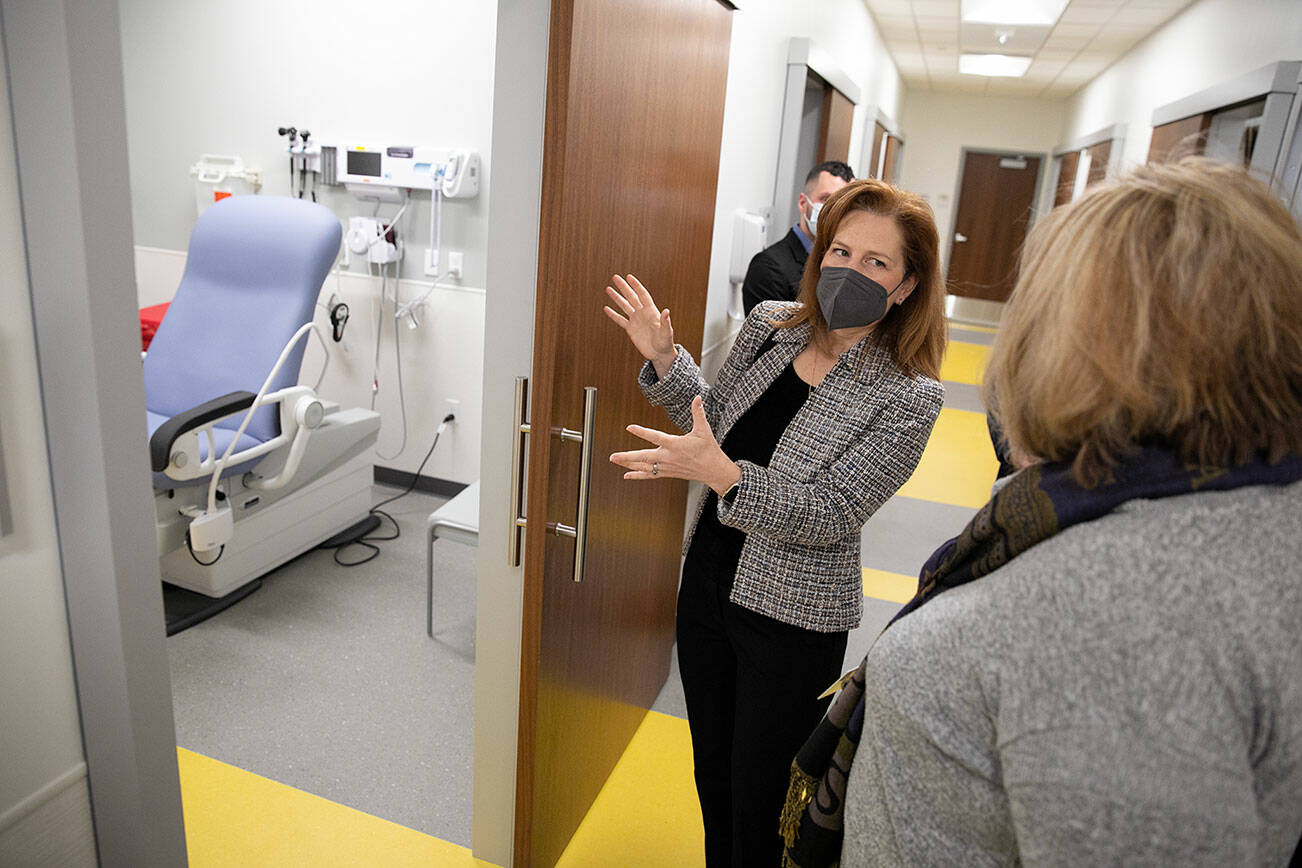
457 520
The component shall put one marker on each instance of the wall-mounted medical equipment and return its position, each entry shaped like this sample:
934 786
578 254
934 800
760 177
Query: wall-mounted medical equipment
304 161
454 173
749 236
217 176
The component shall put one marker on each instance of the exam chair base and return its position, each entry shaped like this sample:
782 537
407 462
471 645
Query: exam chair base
271 528
184 609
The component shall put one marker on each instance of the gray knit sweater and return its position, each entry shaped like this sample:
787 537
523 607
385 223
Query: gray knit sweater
1126 692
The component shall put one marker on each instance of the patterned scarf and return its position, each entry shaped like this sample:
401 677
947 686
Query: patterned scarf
1032 506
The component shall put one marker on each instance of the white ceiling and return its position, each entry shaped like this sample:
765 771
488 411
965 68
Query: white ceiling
925 38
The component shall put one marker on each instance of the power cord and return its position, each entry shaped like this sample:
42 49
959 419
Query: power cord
367 540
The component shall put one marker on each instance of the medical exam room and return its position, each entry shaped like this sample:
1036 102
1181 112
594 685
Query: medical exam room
358 501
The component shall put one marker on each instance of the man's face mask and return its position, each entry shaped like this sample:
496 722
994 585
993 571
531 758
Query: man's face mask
850 299
812 220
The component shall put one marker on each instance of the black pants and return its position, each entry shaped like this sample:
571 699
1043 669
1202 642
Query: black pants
751 684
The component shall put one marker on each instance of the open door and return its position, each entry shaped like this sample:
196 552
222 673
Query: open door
634 119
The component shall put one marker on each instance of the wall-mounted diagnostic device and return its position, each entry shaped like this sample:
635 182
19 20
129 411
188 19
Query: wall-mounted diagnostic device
454 172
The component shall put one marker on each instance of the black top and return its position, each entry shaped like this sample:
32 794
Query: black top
716 548
775 272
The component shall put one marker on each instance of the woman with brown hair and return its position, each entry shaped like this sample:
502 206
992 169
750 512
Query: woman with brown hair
819 414
1106 665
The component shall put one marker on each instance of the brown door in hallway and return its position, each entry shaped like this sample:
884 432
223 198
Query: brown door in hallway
994 212
1186 137
838 122
630 163
1067 166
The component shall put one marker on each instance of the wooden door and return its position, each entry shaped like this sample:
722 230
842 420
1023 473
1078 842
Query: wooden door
1182 138
994 212
874 167
891 159
838 121
634 118
1099 155
1067 165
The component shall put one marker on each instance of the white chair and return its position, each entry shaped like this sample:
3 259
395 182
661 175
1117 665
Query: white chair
456 520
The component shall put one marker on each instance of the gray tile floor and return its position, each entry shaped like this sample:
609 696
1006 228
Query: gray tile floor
325 680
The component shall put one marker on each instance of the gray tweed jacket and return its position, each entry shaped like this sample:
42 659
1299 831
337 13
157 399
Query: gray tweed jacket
850 447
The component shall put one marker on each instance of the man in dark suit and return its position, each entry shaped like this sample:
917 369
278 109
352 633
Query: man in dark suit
775 271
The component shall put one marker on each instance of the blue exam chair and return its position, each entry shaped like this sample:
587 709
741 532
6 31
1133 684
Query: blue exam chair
296 471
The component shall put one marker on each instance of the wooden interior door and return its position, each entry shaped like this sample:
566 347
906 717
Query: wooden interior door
873 169
1182 138
634 118
994 212
1099 155
838 122
1067 165
891 159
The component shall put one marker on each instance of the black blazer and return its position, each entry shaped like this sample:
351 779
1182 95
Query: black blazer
775 272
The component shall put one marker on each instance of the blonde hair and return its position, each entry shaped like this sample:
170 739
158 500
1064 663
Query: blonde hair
914 331
1164 308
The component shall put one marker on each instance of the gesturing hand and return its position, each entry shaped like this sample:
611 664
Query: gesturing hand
647 327
695 455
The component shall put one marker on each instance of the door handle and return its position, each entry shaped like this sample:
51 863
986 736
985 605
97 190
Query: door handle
959 238
579 531
521 430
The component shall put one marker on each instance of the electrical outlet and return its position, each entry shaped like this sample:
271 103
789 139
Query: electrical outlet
456 260
451 405
431 262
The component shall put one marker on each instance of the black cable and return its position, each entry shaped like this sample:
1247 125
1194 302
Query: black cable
366 541
220 552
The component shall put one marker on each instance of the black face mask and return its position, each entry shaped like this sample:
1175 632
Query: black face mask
850 299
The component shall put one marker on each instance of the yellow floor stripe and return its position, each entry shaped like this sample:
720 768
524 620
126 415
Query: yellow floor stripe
958 465
976 328
647 815
234 817
891 587
964 362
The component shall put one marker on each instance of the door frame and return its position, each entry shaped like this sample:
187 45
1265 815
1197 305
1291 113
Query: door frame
803 57
69 122
873 115
1037 201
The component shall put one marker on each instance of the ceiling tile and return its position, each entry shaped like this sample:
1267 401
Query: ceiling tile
1052 55
936 8
1144 16
1074 30
891 7
1062 42
884 20
899 32
1085 15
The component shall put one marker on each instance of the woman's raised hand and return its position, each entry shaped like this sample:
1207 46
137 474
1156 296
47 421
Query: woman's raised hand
646 326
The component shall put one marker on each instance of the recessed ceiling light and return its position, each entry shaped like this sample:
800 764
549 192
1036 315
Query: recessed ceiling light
1039 12
1002 65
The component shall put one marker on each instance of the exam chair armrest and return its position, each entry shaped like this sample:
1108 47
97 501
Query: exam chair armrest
160 445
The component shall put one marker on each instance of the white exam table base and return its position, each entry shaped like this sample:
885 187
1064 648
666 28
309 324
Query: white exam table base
282 524
456 520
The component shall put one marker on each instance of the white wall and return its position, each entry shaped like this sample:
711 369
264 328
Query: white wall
220 79
44 805
937 126
1208 43
757 70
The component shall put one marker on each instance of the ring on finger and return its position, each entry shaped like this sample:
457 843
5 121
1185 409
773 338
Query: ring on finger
655 468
